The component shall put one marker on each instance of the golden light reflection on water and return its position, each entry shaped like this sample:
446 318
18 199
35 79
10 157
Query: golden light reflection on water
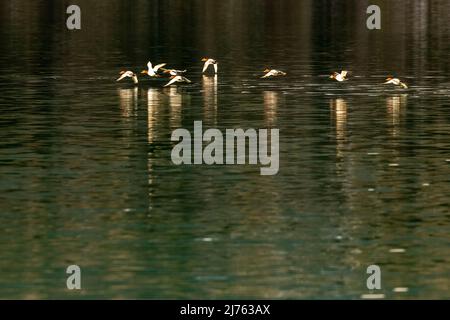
209 85
128 100
271 101
153 102
339 113
394 107
175 104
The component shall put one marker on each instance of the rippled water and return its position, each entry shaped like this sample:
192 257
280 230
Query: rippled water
87 179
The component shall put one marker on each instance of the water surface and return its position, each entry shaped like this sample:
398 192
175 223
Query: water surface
87 179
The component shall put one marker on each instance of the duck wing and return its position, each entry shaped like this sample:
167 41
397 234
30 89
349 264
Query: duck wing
268 74
176 79
186 79
124 75
158 66
206 65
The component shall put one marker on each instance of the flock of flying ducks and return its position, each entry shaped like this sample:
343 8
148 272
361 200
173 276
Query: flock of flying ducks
177 76
390 80
174 75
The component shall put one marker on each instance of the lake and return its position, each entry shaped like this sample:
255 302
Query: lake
86 170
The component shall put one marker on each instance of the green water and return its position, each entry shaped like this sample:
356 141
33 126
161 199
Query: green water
87 178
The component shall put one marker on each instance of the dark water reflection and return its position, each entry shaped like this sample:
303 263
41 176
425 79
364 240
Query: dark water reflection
86 176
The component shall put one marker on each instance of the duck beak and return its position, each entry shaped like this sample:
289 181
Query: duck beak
205 59
144 71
